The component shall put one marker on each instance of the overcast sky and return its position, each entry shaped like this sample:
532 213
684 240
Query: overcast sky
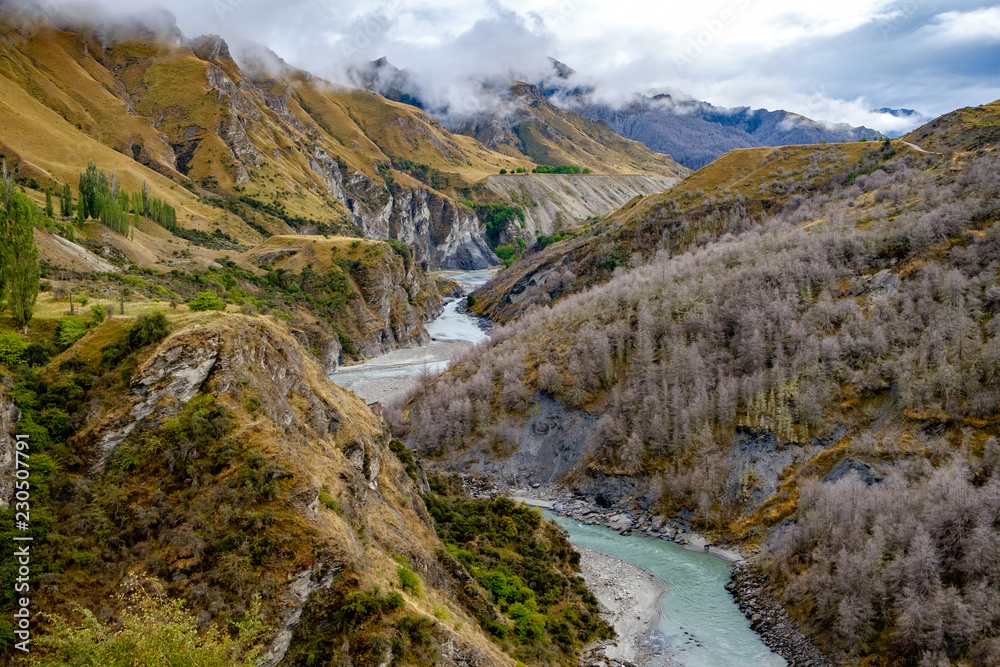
833 60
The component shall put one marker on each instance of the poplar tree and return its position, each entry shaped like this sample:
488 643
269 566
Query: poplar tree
19 256
49 211
66 202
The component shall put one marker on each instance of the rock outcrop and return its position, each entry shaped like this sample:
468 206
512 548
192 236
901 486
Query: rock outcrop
162 388
9 416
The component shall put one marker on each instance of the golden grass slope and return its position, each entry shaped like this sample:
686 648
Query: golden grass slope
968 129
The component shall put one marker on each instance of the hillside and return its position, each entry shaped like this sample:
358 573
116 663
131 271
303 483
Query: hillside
804 366
964 130
249 146
207 456
735 192
556 202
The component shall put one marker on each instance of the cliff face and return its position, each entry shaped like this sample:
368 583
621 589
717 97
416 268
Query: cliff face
552 202
9 415
391 297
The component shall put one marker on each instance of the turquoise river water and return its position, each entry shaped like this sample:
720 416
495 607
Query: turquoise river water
696 602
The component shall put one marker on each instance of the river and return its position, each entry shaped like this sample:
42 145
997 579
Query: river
699 623
391 375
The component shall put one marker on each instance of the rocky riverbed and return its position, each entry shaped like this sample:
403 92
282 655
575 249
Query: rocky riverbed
630 602
769 619
624 520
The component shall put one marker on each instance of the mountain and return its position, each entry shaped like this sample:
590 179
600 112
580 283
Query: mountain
793 350
521 122
277 150
695 133
530 118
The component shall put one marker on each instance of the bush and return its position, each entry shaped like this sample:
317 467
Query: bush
147 329
97 314
153 630
70 330
12 349
329 501
409 581
206 301
405 457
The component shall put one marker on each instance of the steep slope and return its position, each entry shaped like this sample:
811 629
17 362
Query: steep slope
736 191
818 380
388 298
216 475
280 149
208 457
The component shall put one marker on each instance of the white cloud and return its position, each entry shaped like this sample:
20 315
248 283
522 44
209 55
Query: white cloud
965 27
825 60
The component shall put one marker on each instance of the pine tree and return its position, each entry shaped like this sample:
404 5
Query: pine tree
19 255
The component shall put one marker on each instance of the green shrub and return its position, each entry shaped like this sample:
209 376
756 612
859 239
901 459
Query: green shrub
405 457
82 558
329 501
97 314
70 330
147 329
206 301
409 581
560 169
359 606
347 345
12 349
152 630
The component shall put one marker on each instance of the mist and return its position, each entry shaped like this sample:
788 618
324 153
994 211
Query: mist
832 65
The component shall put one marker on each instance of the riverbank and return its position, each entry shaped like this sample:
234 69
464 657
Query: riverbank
624 521
769 619
630 602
